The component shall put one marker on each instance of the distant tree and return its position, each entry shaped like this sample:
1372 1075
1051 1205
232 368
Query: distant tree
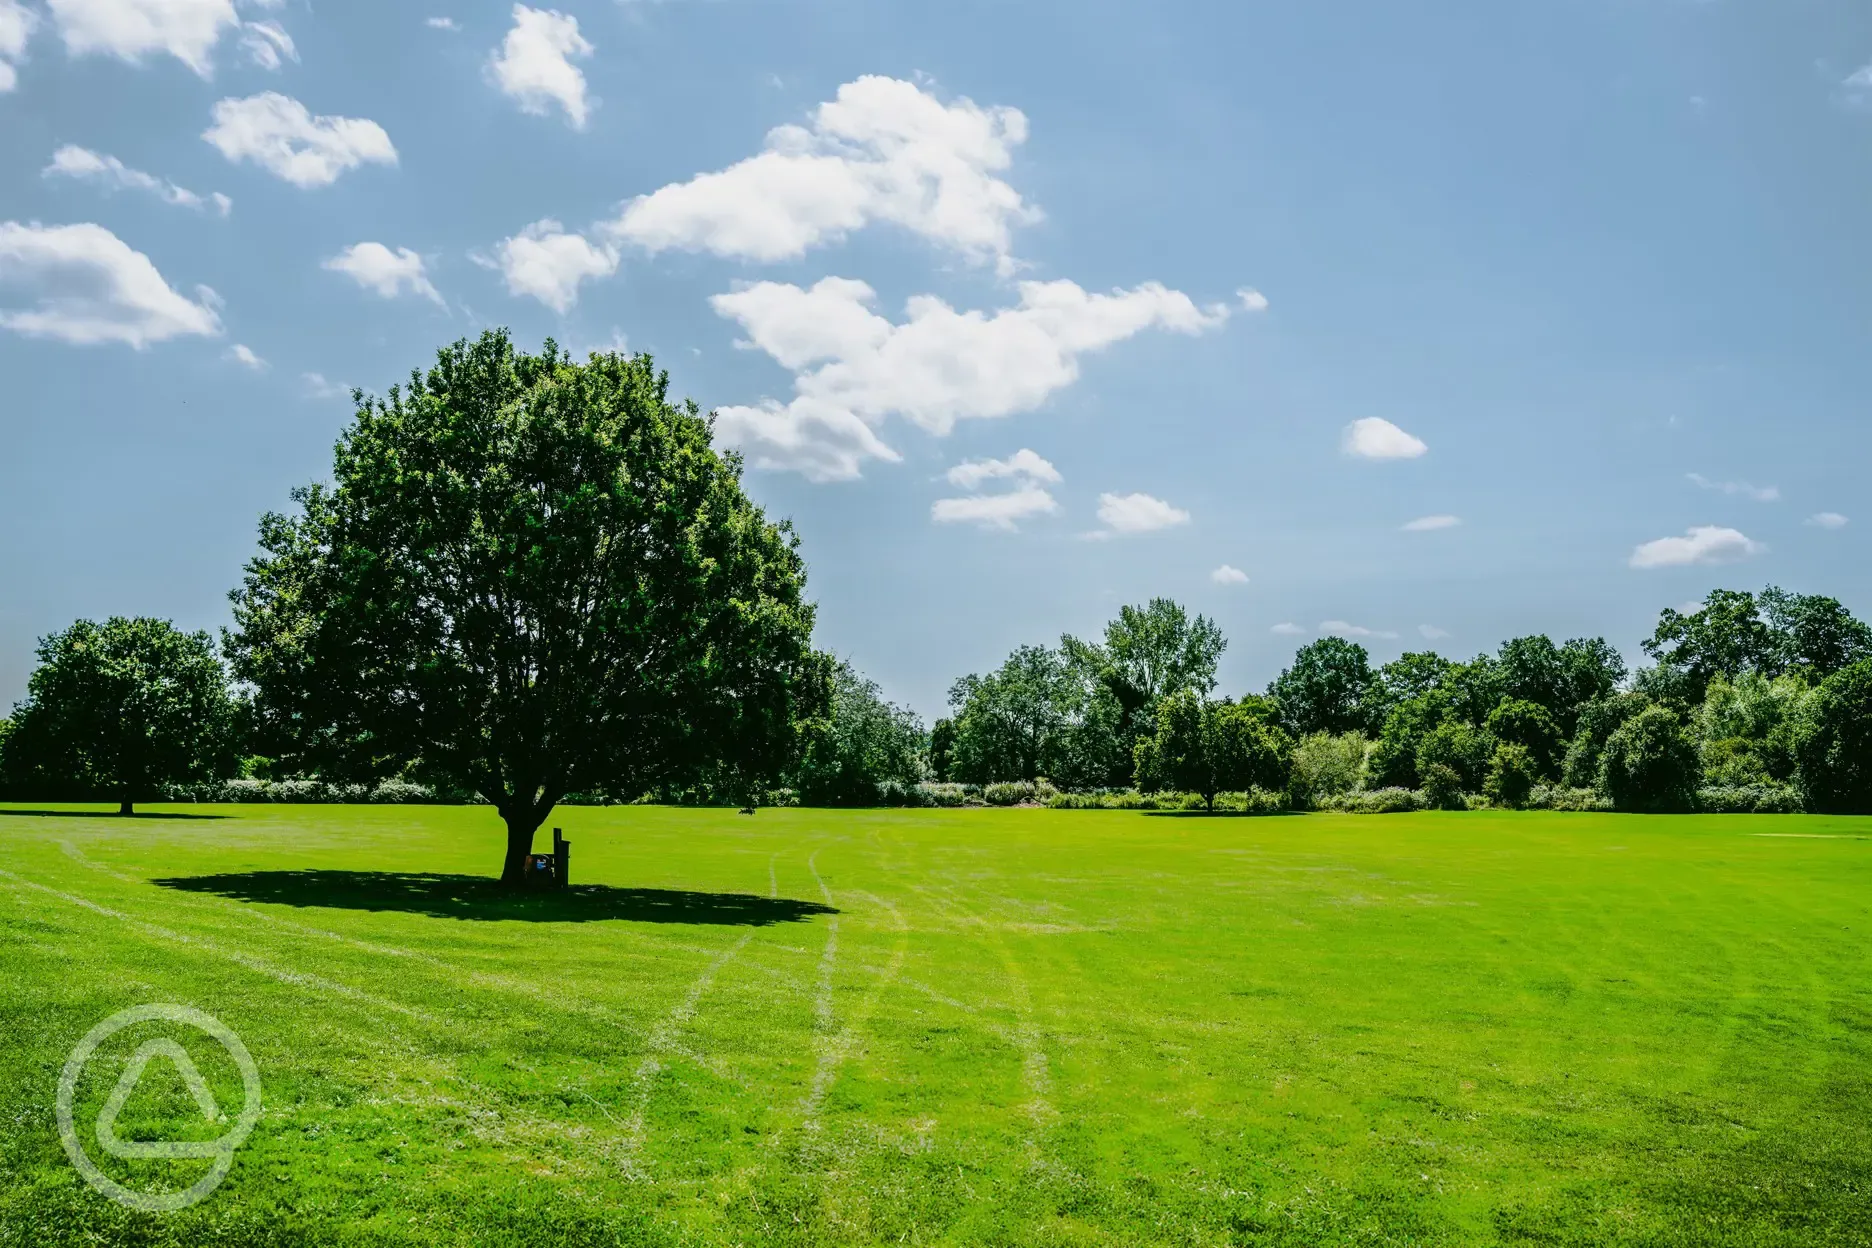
1812 635
123 707
1745 728
1011 723
1561 680
1598 721
862 745
1146 654
942 749
1528 725
1326 766
1393 758
1410 675
1723 637
1512 775
1833 743
1649 763
532 577
1209 747
1443 787
1460 746
1326 689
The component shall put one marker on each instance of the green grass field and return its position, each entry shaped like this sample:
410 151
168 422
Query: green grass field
958 1027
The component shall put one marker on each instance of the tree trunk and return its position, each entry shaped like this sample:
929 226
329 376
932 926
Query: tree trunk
126 805
522 823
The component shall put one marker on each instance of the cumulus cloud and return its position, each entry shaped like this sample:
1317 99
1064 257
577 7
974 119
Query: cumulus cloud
1340 628
1429 524
267 44
1702 544
384 272
822 442
318 387
970 474
1827 520
133 29
72 161
280 135
17 23
534 64
1227 575
1736 489
1125 514
547 263
1430 632
1376 438
1252 300
1287 629
883 150
88 286
244 355
443 23
939 365
1030 475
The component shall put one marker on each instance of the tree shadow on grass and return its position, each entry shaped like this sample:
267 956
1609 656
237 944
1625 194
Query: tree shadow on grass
107 814
477 897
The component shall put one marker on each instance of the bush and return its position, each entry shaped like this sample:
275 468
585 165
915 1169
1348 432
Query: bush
1008 793
1443 788
1463 748
1377 802
1325 765
1749 799
1512 775
1649 763
315 792
1103 799
1560 797
934 793
1833 743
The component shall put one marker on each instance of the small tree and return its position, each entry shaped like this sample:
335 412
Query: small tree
1463 748
1327 689
1528 725
1833 743
122 707
531 577
1011 723
1209 747
1443 788
862 745
1511 777
1649 763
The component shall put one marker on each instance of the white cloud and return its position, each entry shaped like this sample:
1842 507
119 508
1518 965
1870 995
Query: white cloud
1827 520
1227 575
267 44
883 150
89 287
1030 474
823 442
1736 489
940 365
386 273
443 23
1702 544
72 161
1857 86
1288 630
547 263
1252 300
241 353
995 511
1124 514
17 23
1376 438
1428 524
1340 628
1431 632
534 65
317 387
1021 465
132 29
280 135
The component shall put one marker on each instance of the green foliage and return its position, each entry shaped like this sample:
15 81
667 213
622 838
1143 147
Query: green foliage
1387 801
861 748
1528 725
1325 765
1777 632
120 709
942 749
533 577
1012 723
1512 775
1746 728
1462 747
1211 747
1443 788
1649 763
1410 675
1145 655
1833 743
1327 689
1598 721
1393 758
1749 799
1560 797
1561 680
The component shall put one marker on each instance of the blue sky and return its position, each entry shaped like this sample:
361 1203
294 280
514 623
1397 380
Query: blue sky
1028 309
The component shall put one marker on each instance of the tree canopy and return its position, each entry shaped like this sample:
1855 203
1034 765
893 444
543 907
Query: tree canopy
1326 689
530 577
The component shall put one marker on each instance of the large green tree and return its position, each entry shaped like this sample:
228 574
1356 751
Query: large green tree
862 745
1145 655
1326 689
1206 747
1833 743
530 577
123 707
1012 723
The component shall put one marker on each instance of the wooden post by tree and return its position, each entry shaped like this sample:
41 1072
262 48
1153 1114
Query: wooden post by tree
562 858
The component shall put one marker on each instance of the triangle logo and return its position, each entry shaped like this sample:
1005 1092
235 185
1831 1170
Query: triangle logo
132 1150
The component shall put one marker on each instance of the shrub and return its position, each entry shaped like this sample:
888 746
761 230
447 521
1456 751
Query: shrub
1377 802
1325 765
1008 793
947 794
1649 763
1463 748
1512 775
1833 743
1560 797
1749 799
1443 788
1529 726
